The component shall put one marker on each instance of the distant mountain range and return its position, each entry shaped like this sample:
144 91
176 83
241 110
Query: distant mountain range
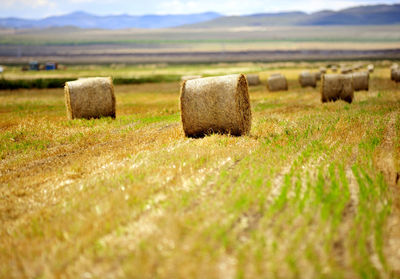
86 20
362 15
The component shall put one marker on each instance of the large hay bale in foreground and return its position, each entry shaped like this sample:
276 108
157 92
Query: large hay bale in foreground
337 87
370 68
90 98
361 81
215 105
183 78
393 68
307 79
277 82
253 79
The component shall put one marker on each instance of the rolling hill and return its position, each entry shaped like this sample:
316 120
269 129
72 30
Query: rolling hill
362 15
86 20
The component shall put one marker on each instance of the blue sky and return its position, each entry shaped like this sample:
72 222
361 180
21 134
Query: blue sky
43 8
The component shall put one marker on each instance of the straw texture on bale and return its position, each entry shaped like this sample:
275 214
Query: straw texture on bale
183 78
307 79
215 105
370 68
90 98
392 71
277 82
253 79
337 87
361 81
396 75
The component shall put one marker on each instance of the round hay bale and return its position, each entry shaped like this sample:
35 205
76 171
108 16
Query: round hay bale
361 81
337 87
277 82
307 79
215 105
334 69
90 98
253 79
318 75
396 75
370 68
183 78
322 70
346 70
393 68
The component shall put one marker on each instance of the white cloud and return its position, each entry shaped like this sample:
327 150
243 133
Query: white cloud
23 4
80 1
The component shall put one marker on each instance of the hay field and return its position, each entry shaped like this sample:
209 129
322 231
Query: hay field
312 193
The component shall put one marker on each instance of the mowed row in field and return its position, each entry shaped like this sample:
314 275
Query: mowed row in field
311 192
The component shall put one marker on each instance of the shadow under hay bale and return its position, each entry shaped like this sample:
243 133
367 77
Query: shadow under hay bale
277 82
253 79
183 78
307 79
361 81
215 105
337 87
90 98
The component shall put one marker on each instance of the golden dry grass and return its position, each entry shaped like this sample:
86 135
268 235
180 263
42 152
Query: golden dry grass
312 192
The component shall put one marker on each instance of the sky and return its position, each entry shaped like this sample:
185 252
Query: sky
43 8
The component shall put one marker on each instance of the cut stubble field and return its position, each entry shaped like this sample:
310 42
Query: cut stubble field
312 192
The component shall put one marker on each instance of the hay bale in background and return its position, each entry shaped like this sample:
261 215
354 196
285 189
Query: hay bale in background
277 82
253 79
396 75
370 68
345 70
90 98
317 75
183 78
357 67
322 70
307 79
334 69
361 81
393 68
215 105
337 87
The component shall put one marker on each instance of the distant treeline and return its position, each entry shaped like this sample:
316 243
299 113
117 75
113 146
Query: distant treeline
42 83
